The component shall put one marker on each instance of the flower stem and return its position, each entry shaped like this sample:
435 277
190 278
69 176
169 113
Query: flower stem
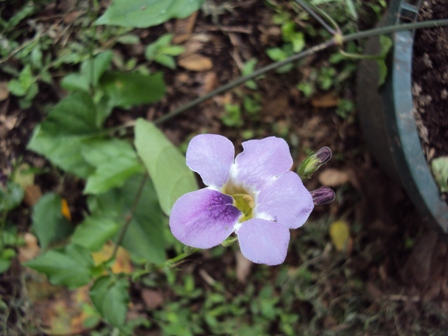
309 8
296 57
129 216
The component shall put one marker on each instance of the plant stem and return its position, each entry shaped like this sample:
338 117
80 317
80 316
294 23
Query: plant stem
296 57
313 13
129 216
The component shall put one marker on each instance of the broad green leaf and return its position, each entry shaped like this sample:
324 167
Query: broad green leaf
74 115
71 123
147 13
144 237
93 232
49 224
70 266
126 90
439 168
89 74
63 151
109 295
114 161
165 164
11 196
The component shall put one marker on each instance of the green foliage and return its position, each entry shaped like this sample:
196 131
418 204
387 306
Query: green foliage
248 68
165 164
145 235
162 51
10 196
49 224
89 74
25 86
93 232
147 13
71 266
114 162
126 90
439 168
233 117
386 44
110 297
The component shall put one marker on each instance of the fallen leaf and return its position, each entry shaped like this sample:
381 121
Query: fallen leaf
32 194
65 209
333 177
4 91
196 62
30 249
243 266
152 298
339 234
325 101
184 28
122 261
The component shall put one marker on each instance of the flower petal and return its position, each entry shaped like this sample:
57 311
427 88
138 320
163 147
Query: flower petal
211 155
203 218
263 242
261 161
286 201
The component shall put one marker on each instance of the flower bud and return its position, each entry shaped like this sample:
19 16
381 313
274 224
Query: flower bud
323 195
313 162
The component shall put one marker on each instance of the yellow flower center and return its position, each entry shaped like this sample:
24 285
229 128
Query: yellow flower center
242 199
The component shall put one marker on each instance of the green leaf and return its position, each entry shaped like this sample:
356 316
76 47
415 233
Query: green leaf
11 196
386 44
165 164
147 13
114 161
439 168
26 79
89 74
166 60
70 266
129 39
126 90
49 224
93 232
144 237
172 50
110 296
4 265
71 123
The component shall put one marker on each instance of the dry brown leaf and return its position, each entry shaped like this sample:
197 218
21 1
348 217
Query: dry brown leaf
333 177
195 62
122 261
4 91
152 298
30 249
325 101
243 266
184 28
33 193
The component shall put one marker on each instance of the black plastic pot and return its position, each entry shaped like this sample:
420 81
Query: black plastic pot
387 119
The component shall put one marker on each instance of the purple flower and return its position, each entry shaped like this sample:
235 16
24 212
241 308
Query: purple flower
254 195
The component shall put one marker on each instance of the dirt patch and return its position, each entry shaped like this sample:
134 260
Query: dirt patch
430 81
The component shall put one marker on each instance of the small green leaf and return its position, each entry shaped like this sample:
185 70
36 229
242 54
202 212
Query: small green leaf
172 50
165 164
126 90
70 266
11 196
93 232
144 237
49 224
147 13
129 39
110 297
166 60
439 168
4 265
114 161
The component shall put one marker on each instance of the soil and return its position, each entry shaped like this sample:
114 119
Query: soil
430 81
393 270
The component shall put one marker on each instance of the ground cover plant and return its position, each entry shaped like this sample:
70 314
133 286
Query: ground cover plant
97 194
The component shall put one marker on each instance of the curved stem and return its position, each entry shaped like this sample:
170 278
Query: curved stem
129 216
296 57
309 8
